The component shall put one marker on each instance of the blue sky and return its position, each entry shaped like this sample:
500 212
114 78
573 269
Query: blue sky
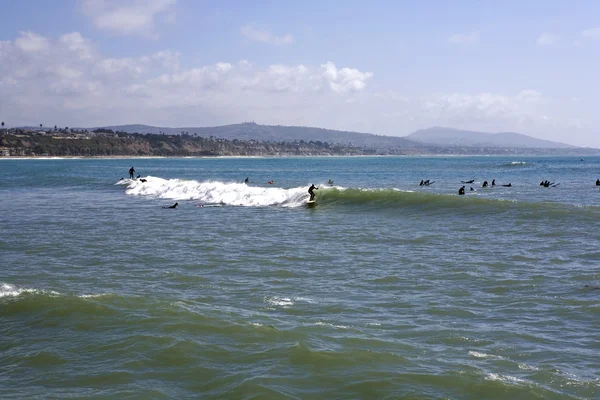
381 67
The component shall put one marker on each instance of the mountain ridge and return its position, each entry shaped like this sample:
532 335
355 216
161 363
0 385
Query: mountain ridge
436 136
442 136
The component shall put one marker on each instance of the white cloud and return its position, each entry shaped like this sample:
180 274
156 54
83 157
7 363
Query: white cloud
129 17
46 79
30 42
592 33
253 33
547 39
345 79
67 81
464 38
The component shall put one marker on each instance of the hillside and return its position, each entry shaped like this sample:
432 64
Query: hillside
278 133
456 137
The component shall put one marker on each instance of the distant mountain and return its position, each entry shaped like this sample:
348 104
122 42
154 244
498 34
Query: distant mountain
424 138
456 137
278 133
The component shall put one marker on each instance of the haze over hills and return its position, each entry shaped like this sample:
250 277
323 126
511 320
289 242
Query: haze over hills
277 133
436 136
455 137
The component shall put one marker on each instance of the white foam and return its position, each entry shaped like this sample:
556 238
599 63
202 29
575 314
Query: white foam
8 290
280 301
227 193
484 355
332 325
504 378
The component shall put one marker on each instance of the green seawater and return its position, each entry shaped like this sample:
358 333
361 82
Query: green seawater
384 290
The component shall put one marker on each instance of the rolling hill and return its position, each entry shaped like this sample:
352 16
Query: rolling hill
431 137
456 137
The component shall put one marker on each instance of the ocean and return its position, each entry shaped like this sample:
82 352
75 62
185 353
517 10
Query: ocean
384 290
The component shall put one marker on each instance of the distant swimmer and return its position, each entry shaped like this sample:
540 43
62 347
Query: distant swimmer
246 180
591 287
422 183
311 191
493 182
472 190
271 182
330 182
508 185
485 184
471 181
461 191
131 172
546 183
143 180
173 206
597 182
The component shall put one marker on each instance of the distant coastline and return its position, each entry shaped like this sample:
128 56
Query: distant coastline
105 143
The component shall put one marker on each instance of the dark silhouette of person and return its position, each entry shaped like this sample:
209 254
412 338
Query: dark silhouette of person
461 191
311 192
493 182
173 206
485 184
509 185
131 172
597 182
246 180
421 183
143 180
471 181
472 190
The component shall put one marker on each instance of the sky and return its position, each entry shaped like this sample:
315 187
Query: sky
383 67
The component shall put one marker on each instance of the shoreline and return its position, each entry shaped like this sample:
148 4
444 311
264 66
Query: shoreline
289 156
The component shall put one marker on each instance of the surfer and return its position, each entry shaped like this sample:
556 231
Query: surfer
485 184
143 180
422 183
310 191
173 206
246 180
131 172
472 190
493 182
461 191
471 181
271 182
597 182
330 182
508 185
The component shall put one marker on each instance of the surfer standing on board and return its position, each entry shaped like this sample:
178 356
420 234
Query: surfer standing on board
310 191
131 172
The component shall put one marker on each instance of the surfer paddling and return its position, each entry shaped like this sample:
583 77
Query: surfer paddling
311 191
173 206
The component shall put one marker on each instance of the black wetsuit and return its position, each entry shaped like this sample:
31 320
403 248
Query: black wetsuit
310 191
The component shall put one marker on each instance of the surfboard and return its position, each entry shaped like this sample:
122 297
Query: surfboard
311 203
